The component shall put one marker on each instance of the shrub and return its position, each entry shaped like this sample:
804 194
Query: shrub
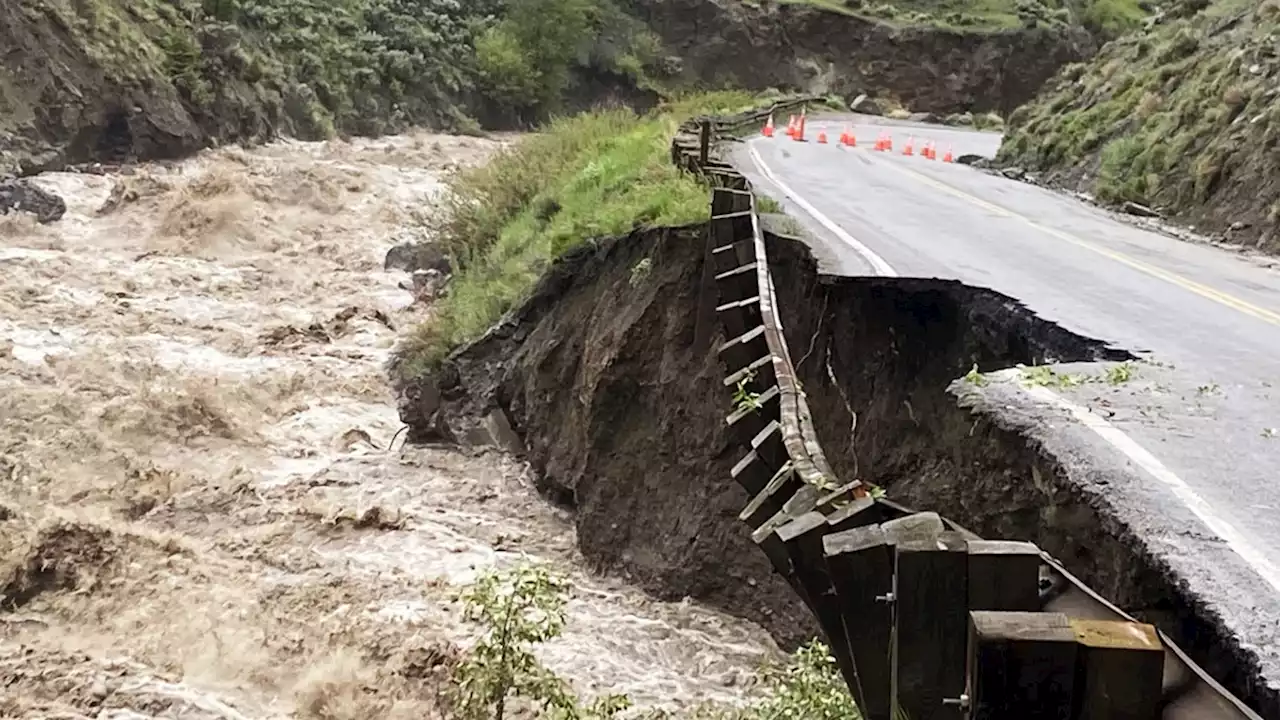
515 611
1119 176
808 687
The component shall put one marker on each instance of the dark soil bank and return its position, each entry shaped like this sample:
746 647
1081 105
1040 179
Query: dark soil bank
610 377
893 348
798 45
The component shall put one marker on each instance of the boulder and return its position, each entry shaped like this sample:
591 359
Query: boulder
21 195
866 105
413 256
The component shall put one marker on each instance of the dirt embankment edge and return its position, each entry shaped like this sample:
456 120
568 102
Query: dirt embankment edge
609 380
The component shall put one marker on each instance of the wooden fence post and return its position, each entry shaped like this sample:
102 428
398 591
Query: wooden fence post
860 562
704 142
1021 665
1004 575
931 619
1119 671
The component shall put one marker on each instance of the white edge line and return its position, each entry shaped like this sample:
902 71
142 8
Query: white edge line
1148 462
876 262
1223 528
1113 435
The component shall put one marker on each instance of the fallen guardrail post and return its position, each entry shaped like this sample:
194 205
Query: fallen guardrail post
704 142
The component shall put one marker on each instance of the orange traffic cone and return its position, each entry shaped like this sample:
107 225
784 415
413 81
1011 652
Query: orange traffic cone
768 127
909 148
791 125
847 138
881 142
799 136
888 142
822 137
927 152
947 157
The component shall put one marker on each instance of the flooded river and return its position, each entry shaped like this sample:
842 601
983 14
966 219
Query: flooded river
202 514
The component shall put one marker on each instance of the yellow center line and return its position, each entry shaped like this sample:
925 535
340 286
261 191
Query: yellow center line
1200 289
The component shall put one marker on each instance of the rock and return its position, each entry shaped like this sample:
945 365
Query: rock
924 117
1014 173
1238 225
39 161
24 196
977 161
428 284
964 118
866 106
413 256
1134 208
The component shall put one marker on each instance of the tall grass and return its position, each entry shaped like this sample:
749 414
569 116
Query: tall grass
593 175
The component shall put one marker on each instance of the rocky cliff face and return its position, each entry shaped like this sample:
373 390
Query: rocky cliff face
726 42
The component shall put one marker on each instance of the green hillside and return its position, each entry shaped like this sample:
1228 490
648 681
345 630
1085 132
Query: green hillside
1183 116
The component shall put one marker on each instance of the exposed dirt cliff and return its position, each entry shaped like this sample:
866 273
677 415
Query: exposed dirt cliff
611 384
609 375
806 46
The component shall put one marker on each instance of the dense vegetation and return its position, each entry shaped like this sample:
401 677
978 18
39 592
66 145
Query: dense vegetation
1183 116
592 175
208 70
1105 17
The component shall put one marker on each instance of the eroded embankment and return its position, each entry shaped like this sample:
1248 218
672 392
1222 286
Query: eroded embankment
892 351
610 378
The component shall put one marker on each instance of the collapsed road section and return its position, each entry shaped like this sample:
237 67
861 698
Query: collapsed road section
610 379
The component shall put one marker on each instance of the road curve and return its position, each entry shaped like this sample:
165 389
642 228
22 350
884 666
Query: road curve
1202 428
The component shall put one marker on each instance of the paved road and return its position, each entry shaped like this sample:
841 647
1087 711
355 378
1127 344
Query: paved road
1199 433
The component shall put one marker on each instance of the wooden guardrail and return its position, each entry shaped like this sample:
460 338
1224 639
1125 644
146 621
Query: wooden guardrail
925 619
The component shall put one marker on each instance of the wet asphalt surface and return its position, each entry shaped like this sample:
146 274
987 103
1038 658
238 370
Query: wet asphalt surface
1207 410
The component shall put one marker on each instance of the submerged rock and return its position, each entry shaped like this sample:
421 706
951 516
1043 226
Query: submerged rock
24 196
414 256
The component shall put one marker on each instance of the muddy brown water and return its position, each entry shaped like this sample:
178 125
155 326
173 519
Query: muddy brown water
201 515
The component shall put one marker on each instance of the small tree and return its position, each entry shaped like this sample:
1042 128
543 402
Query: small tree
516 610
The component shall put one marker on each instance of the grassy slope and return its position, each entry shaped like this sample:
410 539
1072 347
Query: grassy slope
593 175
1184 116
214 70
1104 16
349 63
